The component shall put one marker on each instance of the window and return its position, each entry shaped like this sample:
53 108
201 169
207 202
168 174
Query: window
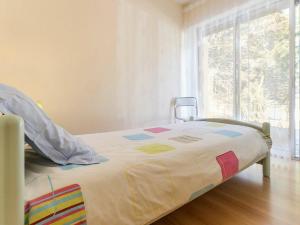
218 67
245 71
264 74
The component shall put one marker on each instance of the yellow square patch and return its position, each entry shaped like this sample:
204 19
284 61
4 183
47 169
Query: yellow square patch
155 148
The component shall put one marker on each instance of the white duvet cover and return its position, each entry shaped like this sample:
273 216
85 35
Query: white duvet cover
147 173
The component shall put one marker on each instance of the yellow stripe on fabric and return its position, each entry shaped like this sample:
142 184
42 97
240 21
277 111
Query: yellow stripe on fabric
50 211
57 208
51 200
70 218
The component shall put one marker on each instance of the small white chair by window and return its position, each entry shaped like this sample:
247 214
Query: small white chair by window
186 108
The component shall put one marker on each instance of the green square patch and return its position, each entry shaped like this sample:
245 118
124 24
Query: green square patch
155 148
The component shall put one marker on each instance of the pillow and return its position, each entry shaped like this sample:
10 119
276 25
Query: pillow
45 137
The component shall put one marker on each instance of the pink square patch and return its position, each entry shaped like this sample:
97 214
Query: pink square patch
229 164
157 130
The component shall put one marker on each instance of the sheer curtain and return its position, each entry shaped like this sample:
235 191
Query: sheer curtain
241 65
297 80
189 78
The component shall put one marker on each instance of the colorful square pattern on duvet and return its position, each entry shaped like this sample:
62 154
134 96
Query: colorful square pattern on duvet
138 137
157 130
186 139
74 166
201 192
228 133
229 164
155 148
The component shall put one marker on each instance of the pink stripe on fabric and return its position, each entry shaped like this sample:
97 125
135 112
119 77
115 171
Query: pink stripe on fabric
64 216
57 193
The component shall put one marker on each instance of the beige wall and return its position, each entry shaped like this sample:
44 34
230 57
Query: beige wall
96 65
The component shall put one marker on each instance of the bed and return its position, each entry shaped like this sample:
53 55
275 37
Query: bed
145 174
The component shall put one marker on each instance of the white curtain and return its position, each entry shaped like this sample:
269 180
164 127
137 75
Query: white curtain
297 82
238 59
189 77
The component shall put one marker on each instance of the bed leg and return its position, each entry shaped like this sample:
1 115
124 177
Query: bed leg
266 166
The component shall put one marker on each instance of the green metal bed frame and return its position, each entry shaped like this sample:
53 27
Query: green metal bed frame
12 172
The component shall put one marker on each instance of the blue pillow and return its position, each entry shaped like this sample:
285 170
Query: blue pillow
47 138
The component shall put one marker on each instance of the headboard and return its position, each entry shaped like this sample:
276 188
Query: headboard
11 170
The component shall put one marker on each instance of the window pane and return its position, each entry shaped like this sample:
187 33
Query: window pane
264 74
217 76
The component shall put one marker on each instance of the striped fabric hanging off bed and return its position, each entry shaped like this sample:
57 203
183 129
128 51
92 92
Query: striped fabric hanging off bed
63 206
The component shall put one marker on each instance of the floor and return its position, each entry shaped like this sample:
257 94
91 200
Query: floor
247 199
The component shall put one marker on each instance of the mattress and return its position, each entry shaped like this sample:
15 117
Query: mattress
147 173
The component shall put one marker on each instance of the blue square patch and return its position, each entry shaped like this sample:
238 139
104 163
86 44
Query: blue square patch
229 133
138 137
74 166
